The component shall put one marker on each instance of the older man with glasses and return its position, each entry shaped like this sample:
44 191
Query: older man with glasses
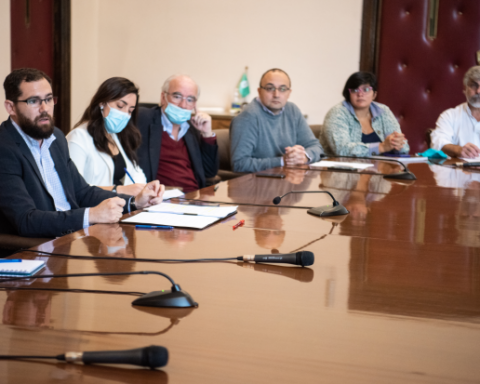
271 131
177 148
458 129
41 192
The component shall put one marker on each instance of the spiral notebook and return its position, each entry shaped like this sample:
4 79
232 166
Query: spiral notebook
23 268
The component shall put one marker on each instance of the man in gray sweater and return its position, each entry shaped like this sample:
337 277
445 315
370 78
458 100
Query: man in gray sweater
270 131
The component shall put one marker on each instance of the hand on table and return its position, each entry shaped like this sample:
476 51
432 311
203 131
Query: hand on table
295 155
108 211
150 195
395 140
469 151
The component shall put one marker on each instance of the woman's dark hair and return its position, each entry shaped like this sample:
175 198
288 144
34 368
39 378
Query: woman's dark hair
130 137
357 79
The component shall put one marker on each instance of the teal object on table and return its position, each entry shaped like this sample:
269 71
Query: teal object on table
433 153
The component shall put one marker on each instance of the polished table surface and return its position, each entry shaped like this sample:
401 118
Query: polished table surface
393 295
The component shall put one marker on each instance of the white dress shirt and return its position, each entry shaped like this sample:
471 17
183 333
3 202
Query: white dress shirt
456 126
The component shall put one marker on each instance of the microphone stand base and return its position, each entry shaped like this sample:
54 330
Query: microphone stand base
167 298
328 210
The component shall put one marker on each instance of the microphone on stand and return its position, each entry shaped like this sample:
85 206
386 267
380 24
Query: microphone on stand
151 357
303 258
336 209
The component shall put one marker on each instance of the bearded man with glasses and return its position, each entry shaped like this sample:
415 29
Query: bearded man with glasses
271 131
457 132
177 148
41 192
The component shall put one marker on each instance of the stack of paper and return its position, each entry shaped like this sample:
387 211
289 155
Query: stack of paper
339 164
180 215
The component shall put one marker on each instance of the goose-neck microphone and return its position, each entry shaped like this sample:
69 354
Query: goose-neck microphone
335 209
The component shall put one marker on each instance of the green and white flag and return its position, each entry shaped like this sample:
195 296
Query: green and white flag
243 86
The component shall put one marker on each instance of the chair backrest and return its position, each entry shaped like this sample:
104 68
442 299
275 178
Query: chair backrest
223 142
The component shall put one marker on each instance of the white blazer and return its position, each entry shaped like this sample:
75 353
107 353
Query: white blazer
97 167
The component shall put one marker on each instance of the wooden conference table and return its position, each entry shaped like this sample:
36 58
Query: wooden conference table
393 295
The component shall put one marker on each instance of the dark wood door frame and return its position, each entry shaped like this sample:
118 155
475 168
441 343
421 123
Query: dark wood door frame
62 62
370 35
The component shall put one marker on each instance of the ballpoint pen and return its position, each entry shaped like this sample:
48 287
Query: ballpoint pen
10 260
129 176
153 226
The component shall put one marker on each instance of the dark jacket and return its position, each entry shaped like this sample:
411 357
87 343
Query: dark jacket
26 207
203 156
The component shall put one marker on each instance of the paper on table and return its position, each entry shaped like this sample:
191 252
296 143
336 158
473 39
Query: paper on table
172 193
412 159
338 164
186 221
476 159
217 212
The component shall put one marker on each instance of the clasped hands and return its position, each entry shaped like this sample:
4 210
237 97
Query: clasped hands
295 155
111 210
394 141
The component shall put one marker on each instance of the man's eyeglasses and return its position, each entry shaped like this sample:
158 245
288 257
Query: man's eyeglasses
361 89
177 98
271 89
35 102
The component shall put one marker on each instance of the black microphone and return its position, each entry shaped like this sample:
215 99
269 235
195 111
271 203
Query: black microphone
152 357
335 209
303 258
304 275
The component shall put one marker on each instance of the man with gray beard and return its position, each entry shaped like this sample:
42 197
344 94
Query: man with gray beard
457 132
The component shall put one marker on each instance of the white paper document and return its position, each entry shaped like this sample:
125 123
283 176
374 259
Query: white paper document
338 164
174 220
475 160
182 209
412 159
172 193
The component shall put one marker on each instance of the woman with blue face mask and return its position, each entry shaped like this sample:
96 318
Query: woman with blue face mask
103 143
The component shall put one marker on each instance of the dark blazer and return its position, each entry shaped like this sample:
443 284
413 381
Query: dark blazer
26 207
203 156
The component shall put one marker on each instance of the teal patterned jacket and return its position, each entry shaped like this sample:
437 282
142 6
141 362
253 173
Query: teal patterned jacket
341 134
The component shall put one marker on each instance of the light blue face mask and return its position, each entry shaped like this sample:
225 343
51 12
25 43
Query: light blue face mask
177 115
116 120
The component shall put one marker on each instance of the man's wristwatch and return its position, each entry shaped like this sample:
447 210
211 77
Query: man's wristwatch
133 206
115 189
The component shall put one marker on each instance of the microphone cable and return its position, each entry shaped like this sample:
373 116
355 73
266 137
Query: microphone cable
206 260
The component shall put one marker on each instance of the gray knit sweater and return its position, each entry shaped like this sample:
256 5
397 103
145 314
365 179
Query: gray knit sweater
258 138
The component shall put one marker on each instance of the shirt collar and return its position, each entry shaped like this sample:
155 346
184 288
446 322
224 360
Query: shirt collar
31 142
168 126
268 110
375 109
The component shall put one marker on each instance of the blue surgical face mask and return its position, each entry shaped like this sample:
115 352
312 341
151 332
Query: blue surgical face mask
177 115
116 120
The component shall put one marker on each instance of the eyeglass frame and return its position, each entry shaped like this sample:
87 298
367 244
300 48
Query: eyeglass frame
474 85
273 88
26 101
183 97
356 91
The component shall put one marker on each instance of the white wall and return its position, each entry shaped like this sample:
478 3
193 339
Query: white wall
5 63
316 41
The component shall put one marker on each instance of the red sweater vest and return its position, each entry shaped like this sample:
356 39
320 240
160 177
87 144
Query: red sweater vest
174 167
